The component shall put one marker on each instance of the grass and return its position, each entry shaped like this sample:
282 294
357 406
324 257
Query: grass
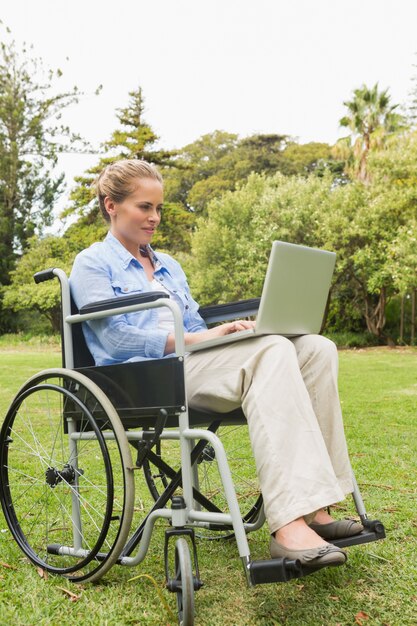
377 586
20 341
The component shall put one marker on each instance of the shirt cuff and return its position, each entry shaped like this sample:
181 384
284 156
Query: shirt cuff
155 344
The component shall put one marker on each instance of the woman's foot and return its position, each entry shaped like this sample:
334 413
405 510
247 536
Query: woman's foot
297 541
327 528
297 535
322 556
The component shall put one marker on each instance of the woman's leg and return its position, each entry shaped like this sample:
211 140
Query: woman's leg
318 361
263 376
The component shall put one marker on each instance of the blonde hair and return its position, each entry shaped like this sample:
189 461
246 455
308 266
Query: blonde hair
117 180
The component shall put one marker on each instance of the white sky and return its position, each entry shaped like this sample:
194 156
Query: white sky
243 66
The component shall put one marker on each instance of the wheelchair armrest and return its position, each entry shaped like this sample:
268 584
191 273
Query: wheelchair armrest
232 310
115 303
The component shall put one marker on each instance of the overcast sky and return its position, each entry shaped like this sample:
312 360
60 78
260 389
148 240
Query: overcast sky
243 66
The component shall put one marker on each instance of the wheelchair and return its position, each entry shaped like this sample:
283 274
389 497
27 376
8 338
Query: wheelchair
76 439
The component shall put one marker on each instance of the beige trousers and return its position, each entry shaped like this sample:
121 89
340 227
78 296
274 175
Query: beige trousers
288 392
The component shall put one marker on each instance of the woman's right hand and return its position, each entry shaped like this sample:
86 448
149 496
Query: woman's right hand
218 331
212 333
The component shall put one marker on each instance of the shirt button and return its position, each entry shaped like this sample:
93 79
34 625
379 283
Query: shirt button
186 306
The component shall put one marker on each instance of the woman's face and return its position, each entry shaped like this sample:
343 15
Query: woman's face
135 220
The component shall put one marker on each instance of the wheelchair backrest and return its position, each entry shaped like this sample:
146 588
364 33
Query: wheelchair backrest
82 355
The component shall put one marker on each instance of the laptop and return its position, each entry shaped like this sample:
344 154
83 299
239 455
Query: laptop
294 295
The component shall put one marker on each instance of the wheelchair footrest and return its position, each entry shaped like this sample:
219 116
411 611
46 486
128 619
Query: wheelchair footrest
374 531
283 570
274 571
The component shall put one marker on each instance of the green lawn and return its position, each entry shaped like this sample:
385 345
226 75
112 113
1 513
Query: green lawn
377 586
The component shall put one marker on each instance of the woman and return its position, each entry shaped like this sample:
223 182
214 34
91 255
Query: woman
287 388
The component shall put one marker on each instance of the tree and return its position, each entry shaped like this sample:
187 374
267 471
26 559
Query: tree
31 137
197 162
370 117
371 227
23 294
136 139
219 161
302 159
230 248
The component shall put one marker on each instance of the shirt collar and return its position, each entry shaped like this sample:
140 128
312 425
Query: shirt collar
127 258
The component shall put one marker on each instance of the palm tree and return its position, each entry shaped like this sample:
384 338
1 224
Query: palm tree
371 117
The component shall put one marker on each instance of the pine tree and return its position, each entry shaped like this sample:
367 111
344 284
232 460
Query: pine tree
31 137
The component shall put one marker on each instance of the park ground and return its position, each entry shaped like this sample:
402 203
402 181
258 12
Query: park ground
377 586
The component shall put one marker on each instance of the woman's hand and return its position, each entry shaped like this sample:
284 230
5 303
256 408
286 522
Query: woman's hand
204 335
218 331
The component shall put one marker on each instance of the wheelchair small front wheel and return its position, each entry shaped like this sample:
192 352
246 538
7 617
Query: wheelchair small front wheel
184 580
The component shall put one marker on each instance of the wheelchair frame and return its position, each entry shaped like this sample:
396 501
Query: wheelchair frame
186 512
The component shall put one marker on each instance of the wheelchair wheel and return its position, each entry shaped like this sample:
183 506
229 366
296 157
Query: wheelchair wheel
185 583
161 466
65 485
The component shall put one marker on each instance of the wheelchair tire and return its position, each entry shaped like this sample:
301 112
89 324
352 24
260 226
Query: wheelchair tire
68 501
185 581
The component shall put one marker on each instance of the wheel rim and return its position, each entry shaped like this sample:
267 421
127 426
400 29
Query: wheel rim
43 481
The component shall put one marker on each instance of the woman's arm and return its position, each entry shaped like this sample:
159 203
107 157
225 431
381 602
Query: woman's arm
120 340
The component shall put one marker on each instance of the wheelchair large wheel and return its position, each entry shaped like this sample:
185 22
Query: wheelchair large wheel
66 483
163 463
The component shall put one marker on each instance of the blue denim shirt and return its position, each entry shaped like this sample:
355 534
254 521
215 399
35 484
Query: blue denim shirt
108 270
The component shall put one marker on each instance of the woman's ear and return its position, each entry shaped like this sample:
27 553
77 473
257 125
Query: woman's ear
110 206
